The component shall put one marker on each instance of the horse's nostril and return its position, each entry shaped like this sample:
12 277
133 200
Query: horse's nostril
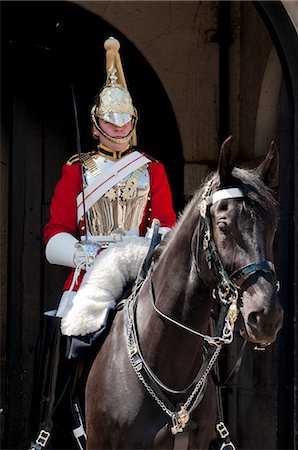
254 319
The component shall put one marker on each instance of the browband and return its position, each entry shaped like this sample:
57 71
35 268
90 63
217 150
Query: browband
224 194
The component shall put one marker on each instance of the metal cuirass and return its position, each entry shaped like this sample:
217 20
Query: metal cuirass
121 208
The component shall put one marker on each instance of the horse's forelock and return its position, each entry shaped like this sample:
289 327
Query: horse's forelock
257 194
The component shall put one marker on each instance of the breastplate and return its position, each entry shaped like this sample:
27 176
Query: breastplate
121 208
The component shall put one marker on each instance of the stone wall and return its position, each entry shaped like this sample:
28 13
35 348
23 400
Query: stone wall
181 41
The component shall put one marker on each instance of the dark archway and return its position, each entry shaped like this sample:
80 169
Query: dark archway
46 47
61 43
285 40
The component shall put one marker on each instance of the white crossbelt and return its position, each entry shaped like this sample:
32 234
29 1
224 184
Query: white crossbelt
109 178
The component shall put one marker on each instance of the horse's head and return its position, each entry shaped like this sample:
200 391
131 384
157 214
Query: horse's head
243 222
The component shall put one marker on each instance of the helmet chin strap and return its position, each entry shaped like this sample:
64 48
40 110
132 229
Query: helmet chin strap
123 140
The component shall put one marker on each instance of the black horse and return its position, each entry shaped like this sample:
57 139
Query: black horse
152 375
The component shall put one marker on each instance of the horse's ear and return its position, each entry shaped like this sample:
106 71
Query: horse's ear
226 163
268 170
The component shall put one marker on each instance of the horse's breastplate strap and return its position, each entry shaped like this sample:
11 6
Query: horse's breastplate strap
122 206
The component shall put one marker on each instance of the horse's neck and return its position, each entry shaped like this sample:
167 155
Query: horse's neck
180 294
179 290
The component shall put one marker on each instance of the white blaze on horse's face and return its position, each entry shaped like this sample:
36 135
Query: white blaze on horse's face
242 238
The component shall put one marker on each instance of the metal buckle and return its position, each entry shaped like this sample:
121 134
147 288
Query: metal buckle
224 291
233 311
206 239
261 347
222 430
43 438
133 350
180 419
227 292
203 208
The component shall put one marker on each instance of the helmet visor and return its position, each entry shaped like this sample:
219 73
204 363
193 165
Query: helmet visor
117 118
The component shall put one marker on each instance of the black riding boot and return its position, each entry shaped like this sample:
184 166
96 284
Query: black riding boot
54 382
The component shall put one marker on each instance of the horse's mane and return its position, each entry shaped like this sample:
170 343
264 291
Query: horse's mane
258 198
182 216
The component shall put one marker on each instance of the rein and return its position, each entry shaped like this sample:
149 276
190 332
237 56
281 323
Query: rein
226 335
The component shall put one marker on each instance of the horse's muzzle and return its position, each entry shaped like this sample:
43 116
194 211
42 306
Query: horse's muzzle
264 327
262 320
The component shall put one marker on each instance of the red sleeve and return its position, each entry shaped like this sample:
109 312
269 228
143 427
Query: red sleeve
160 205
63 209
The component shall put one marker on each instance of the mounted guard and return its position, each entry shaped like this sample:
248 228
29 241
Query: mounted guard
158 384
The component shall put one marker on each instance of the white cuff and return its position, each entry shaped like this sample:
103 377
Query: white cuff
61 249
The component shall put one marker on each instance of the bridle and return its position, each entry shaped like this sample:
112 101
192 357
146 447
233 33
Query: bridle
227 286
227 294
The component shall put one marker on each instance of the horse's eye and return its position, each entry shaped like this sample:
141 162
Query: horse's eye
223 227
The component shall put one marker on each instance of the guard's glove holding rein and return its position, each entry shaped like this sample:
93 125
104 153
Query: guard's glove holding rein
65 250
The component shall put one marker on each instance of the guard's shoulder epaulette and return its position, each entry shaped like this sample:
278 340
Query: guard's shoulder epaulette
76 158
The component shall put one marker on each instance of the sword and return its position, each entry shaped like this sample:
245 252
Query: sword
79 152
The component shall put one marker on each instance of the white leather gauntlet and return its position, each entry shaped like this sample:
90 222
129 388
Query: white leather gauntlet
65 250
61 249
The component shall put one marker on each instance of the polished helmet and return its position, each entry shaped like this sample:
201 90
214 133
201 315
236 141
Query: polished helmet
114 103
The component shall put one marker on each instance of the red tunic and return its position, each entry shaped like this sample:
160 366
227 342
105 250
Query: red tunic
63 209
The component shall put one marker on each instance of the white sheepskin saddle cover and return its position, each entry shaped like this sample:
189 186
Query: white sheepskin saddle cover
102 284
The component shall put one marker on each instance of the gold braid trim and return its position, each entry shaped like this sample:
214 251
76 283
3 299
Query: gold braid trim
89 163
76 158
